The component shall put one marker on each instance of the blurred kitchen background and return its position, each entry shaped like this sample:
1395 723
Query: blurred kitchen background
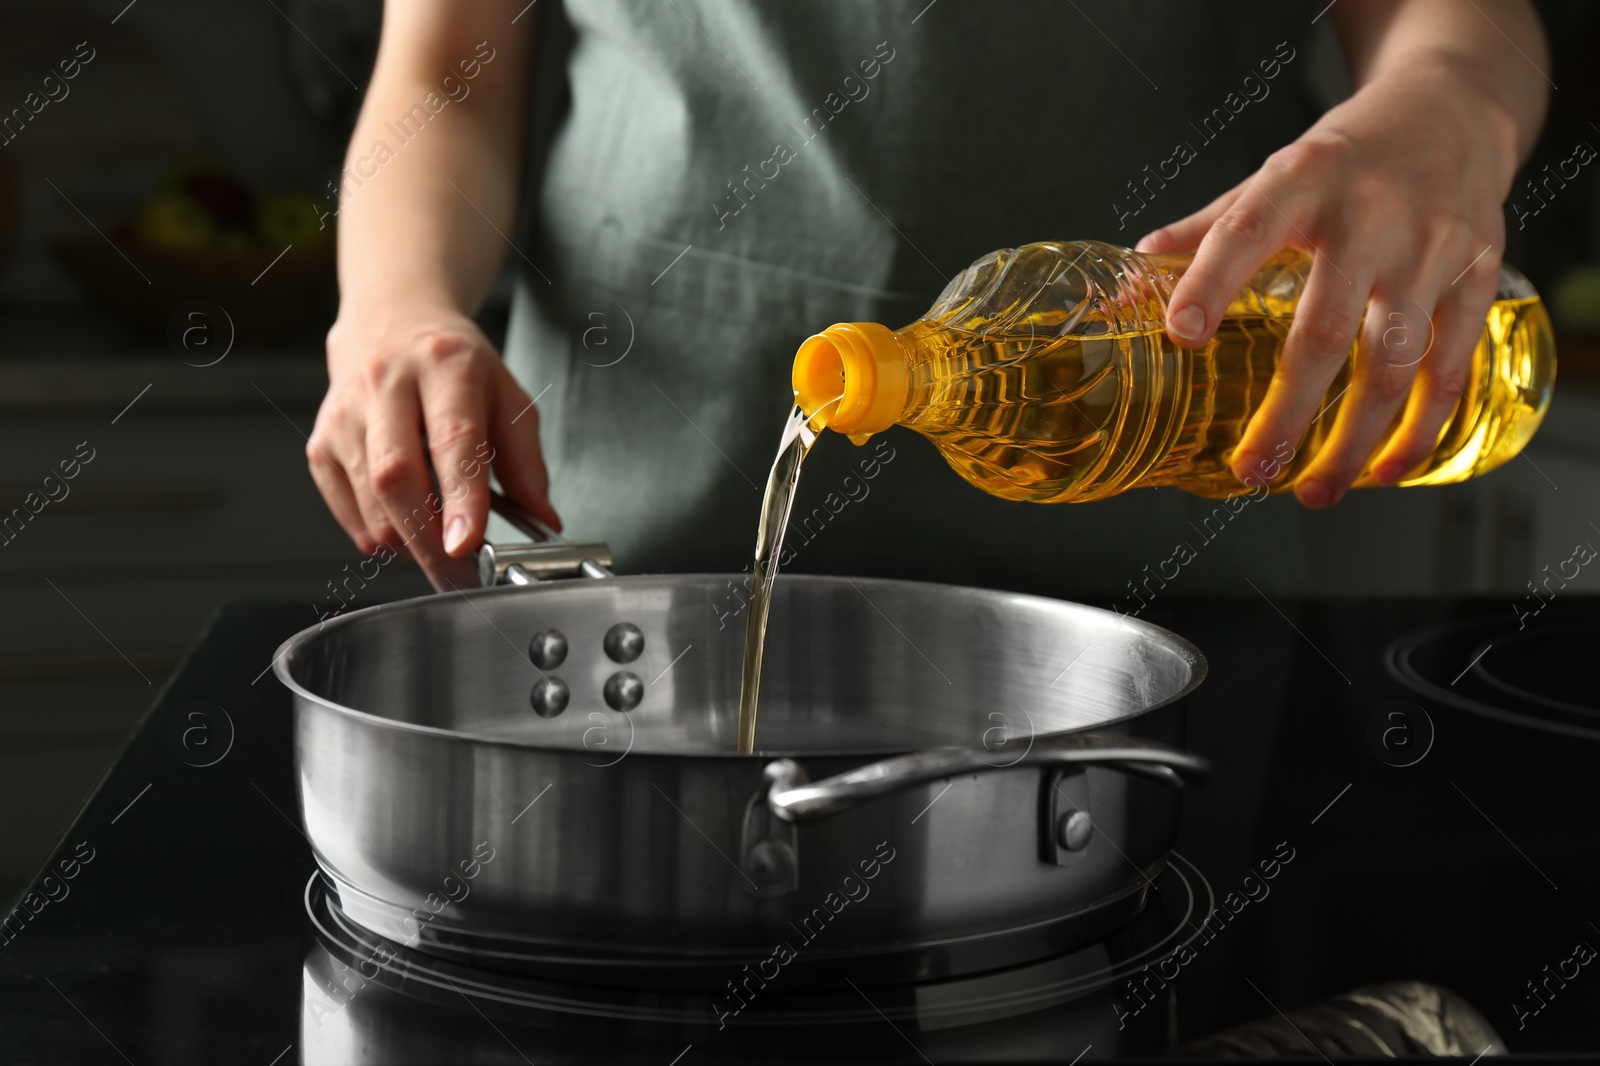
198 138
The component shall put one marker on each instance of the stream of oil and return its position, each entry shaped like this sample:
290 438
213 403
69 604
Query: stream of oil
799 433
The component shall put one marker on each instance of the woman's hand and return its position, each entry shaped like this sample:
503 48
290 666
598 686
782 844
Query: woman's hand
422 230
1396 193
428 387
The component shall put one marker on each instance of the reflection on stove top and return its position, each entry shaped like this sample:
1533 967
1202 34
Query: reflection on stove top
1527 673
367 999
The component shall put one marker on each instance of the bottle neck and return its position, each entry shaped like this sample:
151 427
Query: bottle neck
852 377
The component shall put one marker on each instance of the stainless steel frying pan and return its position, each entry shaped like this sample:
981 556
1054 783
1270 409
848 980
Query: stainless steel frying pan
541 777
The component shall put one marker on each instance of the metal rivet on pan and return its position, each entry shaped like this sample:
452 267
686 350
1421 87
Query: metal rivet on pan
624 642
548 649
549 696
1074 830
623 691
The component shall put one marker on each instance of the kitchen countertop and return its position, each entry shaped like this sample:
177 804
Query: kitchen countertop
182 936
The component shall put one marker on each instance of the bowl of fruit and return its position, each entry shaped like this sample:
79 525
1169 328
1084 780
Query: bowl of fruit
265 259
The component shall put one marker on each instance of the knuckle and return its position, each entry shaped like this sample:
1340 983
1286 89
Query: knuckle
377 375
1401 331
338 412
342 336
1447 383
371 508
444 347
1328 335
447 431
1288 161
1244 223
1388 381
1441 232
389 472
379 529
1485 270
1177 236
1311 155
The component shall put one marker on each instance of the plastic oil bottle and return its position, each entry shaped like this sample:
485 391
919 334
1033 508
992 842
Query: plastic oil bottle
1044 373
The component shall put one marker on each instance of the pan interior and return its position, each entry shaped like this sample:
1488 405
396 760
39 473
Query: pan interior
853 665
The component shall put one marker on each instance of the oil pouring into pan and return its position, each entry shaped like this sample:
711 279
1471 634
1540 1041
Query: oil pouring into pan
435 731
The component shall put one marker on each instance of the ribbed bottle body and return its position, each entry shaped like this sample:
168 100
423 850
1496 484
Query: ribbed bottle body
1044 373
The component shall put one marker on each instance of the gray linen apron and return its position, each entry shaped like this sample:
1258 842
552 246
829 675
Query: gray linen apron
723 178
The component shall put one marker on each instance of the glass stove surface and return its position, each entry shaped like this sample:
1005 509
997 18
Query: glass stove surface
172 925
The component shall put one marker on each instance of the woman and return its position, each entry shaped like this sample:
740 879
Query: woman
722 179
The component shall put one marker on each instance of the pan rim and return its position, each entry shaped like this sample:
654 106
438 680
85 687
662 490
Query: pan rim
285 656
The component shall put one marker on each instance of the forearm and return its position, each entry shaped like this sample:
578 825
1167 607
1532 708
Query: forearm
426 187
1496 48
412 230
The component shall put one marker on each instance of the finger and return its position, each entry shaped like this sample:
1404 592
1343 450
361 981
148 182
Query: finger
1384 367
1442 374
455 411
372 512
1318 345
1252 229
518 458
334 484
338 446
1185 234
399 475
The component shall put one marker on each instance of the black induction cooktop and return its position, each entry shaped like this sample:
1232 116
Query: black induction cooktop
1423 794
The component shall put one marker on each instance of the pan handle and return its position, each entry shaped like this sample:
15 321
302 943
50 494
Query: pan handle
794 799
544 555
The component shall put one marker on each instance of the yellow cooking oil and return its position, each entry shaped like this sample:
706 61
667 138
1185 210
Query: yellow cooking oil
1044 373
799 434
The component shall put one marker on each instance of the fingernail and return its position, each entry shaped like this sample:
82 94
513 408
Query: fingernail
1188 322
454 534
1246 465
1314 494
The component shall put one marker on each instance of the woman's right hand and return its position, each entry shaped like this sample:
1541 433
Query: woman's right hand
406 390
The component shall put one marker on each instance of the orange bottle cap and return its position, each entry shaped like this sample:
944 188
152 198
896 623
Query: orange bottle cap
860 369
